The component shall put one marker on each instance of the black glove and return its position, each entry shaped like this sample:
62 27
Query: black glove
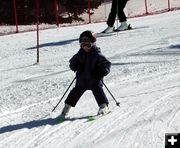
80 67
97 74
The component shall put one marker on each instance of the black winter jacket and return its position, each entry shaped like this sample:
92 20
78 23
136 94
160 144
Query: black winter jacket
90 67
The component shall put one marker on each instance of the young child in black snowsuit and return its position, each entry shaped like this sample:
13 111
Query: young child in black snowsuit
90 67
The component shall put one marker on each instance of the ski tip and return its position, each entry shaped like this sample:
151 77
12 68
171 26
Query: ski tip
91 118
60 119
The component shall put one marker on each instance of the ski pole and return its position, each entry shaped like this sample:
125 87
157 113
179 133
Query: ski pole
117 19
63 94
105 8
117 103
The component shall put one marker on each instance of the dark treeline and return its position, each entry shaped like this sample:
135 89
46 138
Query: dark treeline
69 10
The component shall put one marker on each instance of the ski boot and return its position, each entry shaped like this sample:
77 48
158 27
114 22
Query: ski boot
103 109
108 30
123 26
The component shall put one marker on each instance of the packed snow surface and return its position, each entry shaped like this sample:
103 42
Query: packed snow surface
144 78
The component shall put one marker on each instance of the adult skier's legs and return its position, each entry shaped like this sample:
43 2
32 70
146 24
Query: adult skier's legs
112 14
121 15
111 17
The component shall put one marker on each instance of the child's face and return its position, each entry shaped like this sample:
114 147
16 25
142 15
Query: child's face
86 46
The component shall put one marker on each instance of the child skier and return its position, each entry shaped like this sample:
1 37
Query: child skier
90 67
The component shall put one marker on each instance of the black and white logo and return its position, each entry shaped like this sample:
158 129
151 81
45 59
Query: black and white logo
172 140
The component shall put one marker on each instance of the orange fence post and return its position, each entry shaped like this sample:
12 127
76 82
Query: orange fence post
89 6
15 15
56 12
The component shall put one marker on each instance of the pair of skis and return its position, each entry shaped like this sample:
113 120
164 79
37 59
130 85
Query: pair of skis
62 119
95 117
115 31
101 34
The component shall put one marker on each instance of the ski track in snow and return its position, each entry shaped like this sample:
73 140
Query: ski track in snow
34 105
41 133
144 78
12 136
140 125
5 114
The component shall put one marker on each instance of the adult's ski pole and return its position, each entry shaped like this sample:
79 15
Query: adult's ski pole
64 94
117 103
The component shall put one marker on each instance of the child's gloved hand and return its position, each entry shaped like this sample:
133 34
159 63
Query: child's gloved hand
97 74
80 67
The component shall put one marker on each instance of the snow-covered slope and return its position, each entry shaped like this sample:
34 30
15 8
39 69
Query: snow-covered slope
144 78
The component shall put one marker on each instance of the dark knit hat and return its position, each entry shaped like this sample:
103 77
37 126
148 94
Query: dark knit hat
87 36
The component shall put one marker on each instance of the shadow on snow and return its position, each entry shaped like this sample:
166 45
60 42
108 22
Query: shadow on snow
36 123
64 42
59 43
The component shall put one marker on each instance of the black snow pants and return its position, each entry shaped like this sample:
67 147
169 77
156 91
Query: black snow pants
78 91
117 5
